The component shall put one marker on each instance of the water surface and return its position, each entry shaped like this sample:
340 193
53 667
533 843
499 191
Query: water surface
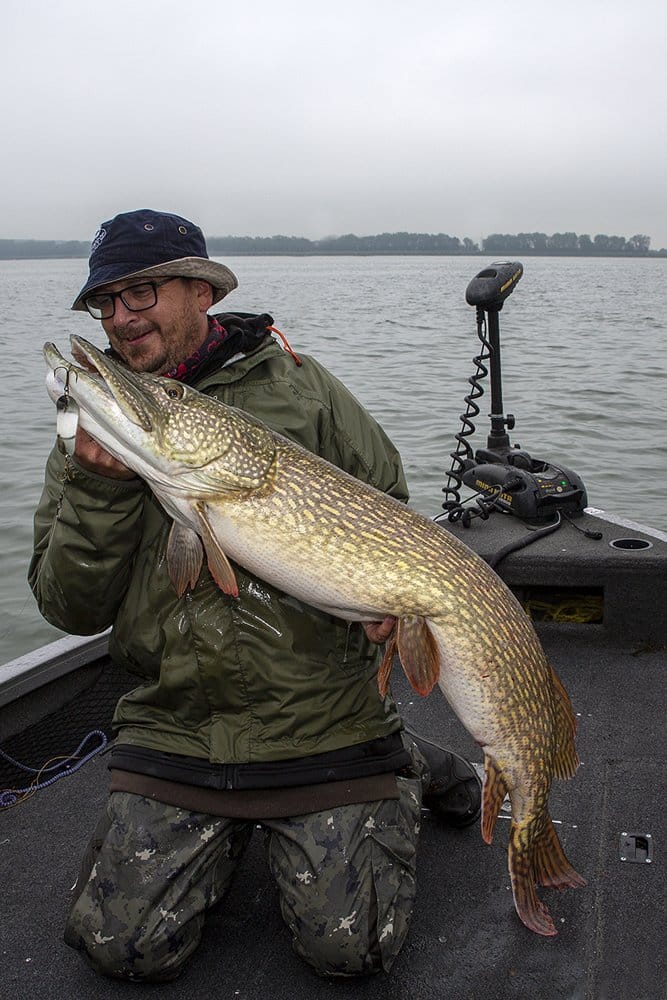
584 373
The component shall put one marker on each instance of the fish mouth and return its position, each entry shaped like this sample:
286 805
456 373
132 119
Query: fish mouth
102 381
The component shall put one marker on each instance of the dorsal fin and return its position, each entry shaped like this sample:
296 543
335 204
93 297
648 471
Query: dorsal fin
566 760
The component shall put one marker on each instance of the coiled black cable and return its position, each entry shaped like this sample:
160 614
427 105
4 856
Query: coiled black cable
452 489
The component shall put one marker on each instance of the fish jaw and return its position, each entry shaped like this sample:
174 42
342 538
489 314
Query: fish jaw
179 441
121 384
99 413
59 371
205 448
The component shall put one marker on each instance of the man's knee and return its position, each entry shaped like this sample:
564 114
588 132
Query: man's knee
136 946
347 883
150 875
334 952
363 941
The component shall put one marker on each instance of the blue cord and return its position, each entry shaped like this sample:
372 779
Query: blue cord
10 796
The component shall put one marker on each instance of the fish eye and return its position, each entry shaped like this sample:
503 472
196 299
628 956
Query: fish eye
175 391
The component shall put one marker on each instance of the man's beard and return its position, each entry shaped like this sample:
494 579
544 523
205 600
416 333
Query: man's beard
167 351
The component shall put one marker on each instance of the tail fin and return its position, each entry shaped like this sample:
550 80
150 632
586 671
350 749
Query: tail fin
538 857
550 866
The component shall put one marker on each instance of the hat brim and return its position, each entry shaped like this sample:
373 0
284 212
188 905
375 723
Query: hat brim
222 280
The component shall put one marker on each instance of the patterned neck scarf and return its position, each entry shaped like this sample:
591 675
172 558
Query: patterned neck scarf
186 370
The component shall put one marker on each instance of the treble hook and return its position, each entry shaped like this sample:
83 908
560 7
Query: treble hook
68 372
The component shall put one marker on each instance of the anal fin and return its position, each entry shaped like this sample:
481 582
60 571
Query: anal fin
493 795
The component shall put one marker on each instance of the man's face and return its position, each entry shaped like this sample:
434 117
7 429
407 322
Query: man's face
157 339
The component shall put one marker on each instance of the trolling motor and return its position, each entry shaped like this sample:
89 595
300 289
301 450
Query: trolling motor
504 476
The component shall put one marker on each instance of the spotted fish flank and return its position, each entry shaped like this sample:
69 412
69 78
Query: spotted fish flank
240 493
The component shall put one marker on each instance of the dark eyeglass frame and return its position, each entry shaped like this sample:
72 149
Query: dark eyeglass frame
108 299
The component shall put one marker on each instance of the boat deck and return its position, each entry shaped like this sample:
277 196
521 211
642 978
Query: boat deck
465 940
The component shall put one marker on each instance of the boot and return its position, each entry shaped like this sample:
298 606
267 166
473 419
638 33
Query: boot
454 793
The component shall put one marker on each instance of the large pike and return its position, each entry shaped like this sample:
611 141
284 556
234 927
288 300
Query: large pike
238 491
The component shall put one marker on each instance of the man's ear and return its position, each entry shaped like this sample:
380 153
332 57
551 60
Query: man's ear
204 294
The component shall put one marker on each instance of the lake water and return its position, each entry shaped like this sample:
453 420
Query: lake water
584 372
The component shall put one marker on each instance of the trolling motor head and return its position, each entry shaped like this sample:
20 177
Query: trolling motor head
504 476
489 289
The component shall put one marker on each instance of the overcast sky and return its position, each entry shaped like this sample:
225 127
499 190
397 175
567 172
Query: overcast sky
310 118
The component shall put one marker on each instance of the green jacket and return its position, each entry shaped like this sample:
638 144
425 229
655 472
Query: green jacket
259 678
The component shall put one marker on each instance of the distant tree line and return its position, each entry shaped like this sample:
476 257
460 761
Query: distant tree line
38 249
564 244
384 243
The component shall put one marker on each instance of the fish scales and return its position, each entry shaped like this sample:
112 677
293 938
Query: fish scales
336 543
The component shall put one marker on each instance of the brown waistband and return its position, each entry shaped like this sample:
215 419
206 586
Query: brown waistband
257 804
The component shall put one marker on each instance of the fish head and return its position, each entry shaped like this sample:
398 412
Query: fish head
172 435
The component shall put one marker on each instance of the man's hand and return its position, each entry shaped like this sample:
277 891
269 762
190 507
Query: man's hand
380 631
96 459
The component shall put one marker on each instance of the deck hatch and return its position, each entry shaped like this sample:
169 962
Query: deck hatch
636 848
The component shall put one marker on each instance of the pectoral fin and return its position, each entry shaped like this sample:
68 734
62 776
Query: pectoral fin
184 557
218 564
418 653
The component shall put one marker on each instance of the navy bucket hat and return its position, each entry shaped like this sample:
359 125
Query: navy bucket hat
149 244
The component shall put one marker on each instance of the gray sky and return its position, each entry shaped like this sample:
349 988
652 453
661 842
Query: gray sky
310 118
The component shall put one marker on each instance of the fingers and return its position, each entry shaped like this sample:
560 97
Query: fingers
380 631
96 459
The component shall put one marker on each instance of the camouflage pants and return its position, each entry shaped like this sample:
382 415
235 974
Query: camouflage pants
346 879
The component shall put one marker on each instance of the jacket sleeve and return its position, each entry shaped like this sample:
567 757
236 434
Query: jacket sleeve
86 531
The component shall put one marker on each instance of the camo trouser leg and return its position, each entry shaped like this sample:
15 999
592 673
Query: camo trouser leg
346 878
148 877
347 881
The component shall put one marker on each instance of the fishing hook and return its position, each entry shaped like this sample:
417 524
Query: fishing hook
69 370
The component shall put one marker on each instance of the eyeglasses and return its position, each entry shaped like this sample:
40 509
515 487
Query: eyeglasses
134 297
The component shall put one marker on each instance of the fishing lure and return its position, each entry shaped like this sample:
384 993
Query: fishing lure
67 418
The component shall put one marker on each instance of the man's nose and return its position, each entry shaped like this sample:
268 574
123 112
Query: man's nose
121 314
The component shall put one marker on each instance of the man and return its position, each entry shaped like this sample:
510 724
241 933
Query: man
256 709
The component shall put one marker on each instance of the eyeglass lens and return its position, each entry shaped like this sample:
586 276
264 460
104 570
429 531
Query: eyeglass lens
135 298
